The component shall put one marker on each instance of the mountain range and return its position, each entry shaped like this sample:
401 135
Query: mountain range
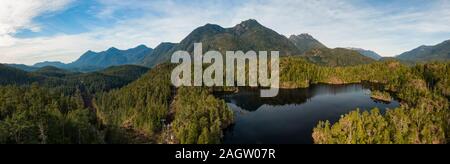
50 76
367 53
158 54
428 53
248 35
336 57
49 63
99 60
251 35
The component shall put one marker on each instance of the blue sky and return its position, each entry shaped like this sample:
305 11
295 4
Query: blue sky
61 30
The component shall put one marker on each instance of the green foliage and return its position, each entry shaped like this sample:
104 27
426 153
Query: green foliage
68 82
33 115
423 118
200 117
140 106
147 106
305 42
10 75
150 110
425 124
336 57
296 72
50 71
354 128
436 76
126 72
246 36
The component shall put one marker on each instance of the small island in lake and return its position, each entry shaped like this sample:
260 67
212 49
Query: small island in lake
381 96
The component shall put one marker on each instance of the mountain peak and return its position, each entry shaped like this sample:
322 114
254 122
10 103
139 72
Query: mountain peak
210 26
49 63
302 36
89 52
248 24
305 42
113 49
142 46
164 44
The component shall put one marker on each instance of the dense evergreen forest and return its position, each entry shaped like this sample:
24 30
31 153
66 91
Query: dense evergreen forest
51 105
35 115
54 106
151 111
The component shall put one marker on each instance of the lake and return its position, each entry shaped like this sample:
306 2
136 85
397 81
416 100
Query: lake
291 117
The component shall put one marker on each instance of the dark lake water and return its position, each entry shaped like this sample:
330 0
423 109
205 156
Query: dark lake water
290 117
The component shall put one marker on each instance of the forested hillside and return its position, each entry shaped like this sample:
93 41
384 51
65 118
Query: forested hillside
151 111
439 52
10 75
67 81
336 57
34 115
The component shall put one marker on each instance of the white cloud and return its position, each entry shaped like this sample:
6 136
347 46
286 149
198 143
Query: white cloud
18 14
178 21
336 23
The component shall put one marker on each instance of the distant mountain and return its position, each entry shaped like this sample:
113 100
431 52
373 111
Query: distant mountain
56 78
10 75
367 53
305 42
126 72
50 63
111 57
23 67
51 71
336 57
428 53
94 61
246 36
393 59
157 55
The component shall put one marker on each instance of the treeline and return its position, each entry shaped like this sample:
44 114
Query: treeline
68 82
13 76
296 72
336 57
423 117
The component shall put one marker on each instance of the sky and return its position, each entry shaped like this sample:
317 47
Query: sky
62 30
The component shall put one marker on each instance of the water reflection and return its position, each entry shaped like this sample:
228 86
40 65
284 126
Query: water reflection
291 116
